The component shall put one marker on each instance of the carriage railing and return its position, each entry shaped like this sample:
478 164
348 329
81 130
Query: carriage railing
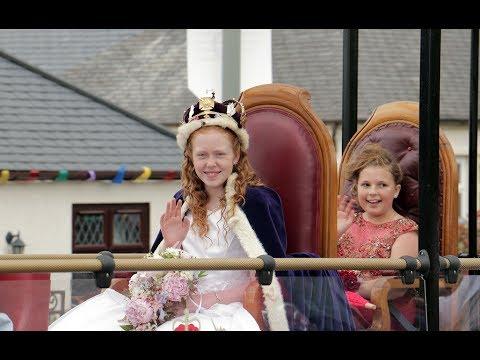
141 262
133 262
455 312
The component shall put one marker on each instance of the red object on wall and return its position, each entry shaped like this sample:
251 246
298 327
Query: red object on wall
33 175
25 297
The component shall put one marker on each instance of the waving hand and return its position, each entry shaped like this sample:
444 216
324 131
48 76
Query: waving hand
174 229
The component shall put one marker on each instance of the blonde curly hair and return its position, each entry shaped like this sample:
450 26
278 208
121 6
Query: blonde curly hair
194 188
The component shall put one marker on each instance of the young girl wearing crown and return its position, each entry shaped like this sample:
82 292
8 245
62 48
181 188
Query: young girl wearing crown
223 210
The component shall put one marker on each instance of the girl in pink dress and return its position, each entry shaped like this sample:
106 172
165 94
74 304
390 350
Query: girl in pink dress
377 231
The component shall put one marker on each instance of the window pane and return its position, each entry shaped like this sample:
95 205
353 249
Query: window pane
89 229
126 229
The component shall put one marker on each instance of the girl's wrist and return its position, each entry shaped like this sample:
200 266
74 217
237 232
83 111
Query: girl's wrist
175 245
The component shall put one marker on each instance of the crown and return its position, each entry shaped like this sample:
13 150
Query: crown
208 112
208 108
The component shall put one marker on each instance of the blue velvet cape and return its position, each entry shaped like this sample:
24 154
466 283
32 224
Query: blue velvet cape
315 300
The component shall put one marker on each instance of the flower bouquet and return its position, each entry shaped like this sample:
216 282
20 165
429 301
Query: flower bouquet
159 296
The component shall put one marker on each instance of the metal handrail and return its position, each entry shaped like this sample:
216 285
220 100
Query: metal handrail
69 263
68 256
140 262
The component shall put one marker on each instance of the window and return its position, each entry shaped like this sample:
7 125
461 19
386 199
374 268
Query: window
113 227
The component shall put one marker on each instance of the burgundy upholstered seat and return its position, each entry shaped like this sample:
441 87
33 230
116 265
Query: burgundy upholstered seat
293 153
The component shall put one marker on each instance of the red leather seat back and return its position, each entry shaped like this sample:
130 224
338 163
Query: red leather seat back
293 153
283 154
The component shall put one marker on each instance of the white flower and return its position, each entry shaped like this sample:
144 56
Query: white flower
141 283
188 275
171 253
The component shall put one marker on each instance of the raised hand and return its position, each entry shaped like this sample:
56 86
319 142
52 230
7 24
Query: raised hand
174 229
345 213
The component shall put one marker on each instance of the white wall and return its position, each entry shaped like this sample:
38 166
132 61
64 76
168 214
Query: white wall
42 211
457 134
256 58
204 59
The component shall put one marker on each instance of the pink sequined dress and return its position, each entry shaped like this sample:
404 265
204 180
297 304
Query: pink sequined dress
364 239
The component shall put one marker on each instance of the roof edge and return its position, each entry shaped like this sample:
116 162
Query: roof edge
26 175
161 129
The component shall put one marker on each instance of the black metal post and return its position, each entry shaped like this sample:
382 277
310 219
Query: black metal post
350 85
472 150
429 166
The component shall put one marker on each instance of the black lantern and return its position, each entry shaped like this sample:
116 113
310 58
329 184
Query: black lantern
18 246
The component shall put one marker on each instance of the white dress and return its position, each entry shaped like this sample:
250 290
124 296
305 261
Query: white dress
103 311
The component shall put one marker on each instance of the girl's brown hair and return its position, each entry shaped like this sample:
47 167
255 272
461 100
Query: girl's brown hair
373 155
195 189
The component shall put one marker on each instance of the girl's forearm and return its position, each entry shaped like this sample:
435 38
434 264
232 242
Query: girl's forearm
234 294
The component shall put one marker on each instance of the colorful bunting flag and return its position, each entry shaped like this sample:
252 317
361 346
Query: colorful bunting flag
33 175
62 175
147 172
118 179
91 175
4 176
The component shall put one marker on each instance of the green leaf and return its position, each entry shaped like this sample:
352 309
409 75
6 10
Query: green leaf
127 327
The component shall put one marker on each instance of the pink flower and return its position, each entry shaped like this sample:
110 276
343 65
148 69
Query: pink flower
160 298
176 286
139 312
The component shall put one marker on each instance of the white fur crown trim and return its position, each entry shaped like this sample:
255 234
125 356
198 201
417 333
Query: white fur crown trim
223 121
